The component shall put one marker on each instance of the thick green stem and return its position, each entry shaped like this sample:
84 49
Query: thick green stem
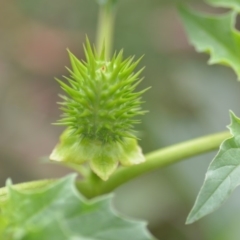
105 27
156 160
93 186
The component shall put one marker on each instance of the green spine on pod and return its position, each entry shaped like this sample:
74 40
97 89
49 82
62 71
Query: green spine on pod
99 112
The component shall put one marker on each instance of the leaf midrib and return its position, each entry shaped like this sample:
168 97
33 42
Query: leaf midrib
202 205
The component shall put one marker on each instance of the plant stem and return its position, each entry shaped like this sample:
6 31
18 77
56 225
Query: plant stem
105 27
156 160
93 186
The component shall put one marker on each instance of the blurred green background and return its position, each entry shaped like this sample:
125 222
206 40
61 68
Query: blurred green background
188 99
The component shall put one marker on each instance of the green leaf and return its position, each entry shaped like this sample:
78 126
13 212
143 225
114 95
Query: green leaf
215 35
234 4
223 175
59 212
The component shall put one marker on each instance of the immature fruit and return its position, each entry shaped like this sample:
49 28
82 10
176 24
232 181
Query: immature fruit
99 112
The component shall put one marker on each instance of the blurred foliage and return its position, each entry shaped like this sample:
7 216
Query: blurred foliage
54 212
188 99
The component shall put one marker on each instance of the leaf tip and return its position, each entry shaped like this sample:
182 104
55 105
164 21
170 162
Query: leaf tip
234 126
189 220
9 182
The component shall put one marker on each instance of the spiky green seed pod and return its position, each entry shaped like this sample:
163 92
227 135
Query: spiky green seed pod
100 112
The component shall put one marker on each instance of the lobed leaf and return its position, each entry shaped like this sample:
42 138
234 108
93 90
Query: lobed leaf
215 35
223 175
59 212
233 4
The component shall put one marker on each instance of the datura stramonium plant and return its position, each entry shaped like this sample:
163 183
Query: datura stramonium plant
99 112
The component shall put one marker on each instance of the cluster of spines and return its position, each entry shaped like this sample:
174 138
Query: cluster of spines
101 102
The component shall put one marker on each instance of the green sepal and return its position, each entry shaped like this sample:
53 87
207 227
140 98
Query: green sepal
131 152
104 160
69 149
103 157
